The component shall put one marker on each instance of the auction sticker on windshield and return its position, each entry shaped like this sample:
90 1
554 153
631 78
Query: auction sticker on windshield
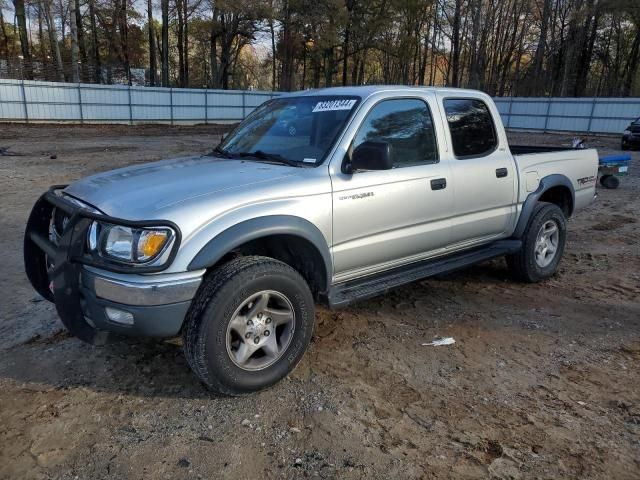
329 105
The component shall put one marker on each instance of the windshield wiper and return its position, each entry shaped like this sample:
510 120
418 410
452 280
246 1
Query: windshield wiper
270 157
220 152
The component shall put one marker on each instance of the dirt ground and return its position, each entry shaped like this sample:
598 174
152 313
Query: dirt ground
542 382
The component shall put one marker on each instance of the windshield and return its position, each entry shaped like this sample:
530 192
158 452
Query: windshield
293 129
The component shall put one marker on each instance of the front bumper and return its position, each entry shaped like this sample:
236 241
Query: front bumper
631 140
82 287
157 305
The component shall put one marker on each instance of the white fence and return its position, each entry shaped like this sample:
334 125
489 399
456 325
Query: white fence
33 101
585 114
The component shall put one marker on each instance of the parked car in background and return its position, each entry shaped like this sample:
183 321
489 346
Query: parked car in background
631 135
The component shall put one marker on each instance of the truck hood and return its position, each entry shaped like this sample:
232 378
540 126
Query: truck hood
145 191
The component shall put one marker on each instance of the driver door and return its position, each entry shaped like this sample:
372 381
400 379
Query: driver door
386 218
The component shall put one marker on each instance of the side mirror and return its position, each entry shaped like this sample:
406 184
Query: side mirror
372 156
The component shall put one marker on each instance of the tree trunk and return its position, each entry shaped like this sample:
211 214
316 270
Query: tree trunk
84 60
345 45
179 38
330 68
286 78
21 19
214 57
53 40
5 38
124 40
631 68
455 45
185 40
43 52
94 42
75 74
165 43
536 86
273 55
152 45
475 68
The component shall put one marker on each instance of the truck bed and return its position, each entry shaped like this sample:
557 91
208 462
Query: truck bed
528 149
578 165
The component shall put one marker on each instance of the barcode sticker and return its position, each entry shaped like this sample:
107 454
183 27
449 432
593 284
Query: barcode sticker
330 105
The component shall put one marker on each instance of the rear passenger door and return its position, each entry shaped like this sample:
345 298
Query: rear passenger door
483 171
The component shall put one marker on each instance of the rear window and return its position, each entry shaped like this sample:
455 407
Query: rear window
471 126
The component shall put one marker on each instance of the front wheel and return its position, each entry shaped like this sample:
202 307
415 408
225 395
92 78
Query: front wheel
542 245
249 325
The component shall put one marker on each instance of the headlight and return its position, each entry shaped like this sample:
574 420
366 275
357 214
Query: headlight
627 132
129 245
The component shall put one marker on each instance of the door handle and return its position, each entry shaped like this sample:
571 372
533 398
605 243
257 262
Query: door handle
501 172
439 184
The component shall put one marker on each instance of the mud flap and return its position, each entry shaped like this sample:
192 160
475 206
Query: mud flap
65 274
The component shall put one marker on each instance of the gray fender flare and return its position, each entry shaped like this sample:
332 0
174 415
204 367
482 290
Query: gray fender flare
260 227
546 183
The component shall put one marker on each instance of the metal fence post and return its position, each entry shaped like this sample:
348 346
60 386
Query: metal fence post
546 115
130 107
80 105
509 118
206 107
593 107
24 102
243 106
171 103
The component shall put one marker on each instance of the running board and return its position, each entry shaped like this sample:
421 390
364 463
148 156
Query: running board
342 294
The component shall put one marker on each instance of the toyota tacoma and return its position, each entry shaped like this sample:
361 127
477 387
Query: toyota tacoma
232 249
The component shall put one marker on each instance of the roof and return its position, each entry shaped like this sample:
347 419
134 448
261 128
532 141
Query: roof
368 90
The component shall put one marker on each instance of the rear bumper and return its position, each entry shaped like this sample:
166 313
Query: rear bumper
86 292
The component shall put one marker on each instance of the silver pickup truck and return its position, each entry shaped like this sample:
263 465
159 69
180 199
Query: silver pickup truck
329 196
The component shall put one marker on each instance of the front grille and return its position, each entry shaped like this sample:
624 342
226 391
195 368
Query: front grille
60 220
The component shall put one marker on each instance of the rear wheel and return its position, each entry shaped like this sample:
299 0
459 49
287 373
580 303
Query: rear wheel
542 245
249 325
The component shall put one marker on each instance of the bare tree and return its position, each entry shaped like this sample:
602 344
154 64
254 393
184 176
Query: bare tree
75 73
165 43
152 44
24 38
53 39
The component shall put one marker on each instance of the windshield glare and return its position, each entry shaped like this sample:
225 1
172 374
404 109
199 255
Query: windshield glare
300 129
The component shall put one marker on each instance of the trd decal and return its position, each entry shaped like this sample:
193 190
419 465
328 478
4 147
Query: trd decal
586 180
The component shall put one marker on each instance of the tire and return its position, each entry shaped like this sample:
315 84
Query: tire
228 299
609 181
526 265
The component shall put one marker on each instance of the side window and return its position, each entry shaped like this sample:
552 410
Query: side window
407 125
471 127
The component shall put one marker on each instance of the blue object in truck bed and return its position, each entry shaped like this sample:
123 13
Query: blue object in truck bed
614 159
